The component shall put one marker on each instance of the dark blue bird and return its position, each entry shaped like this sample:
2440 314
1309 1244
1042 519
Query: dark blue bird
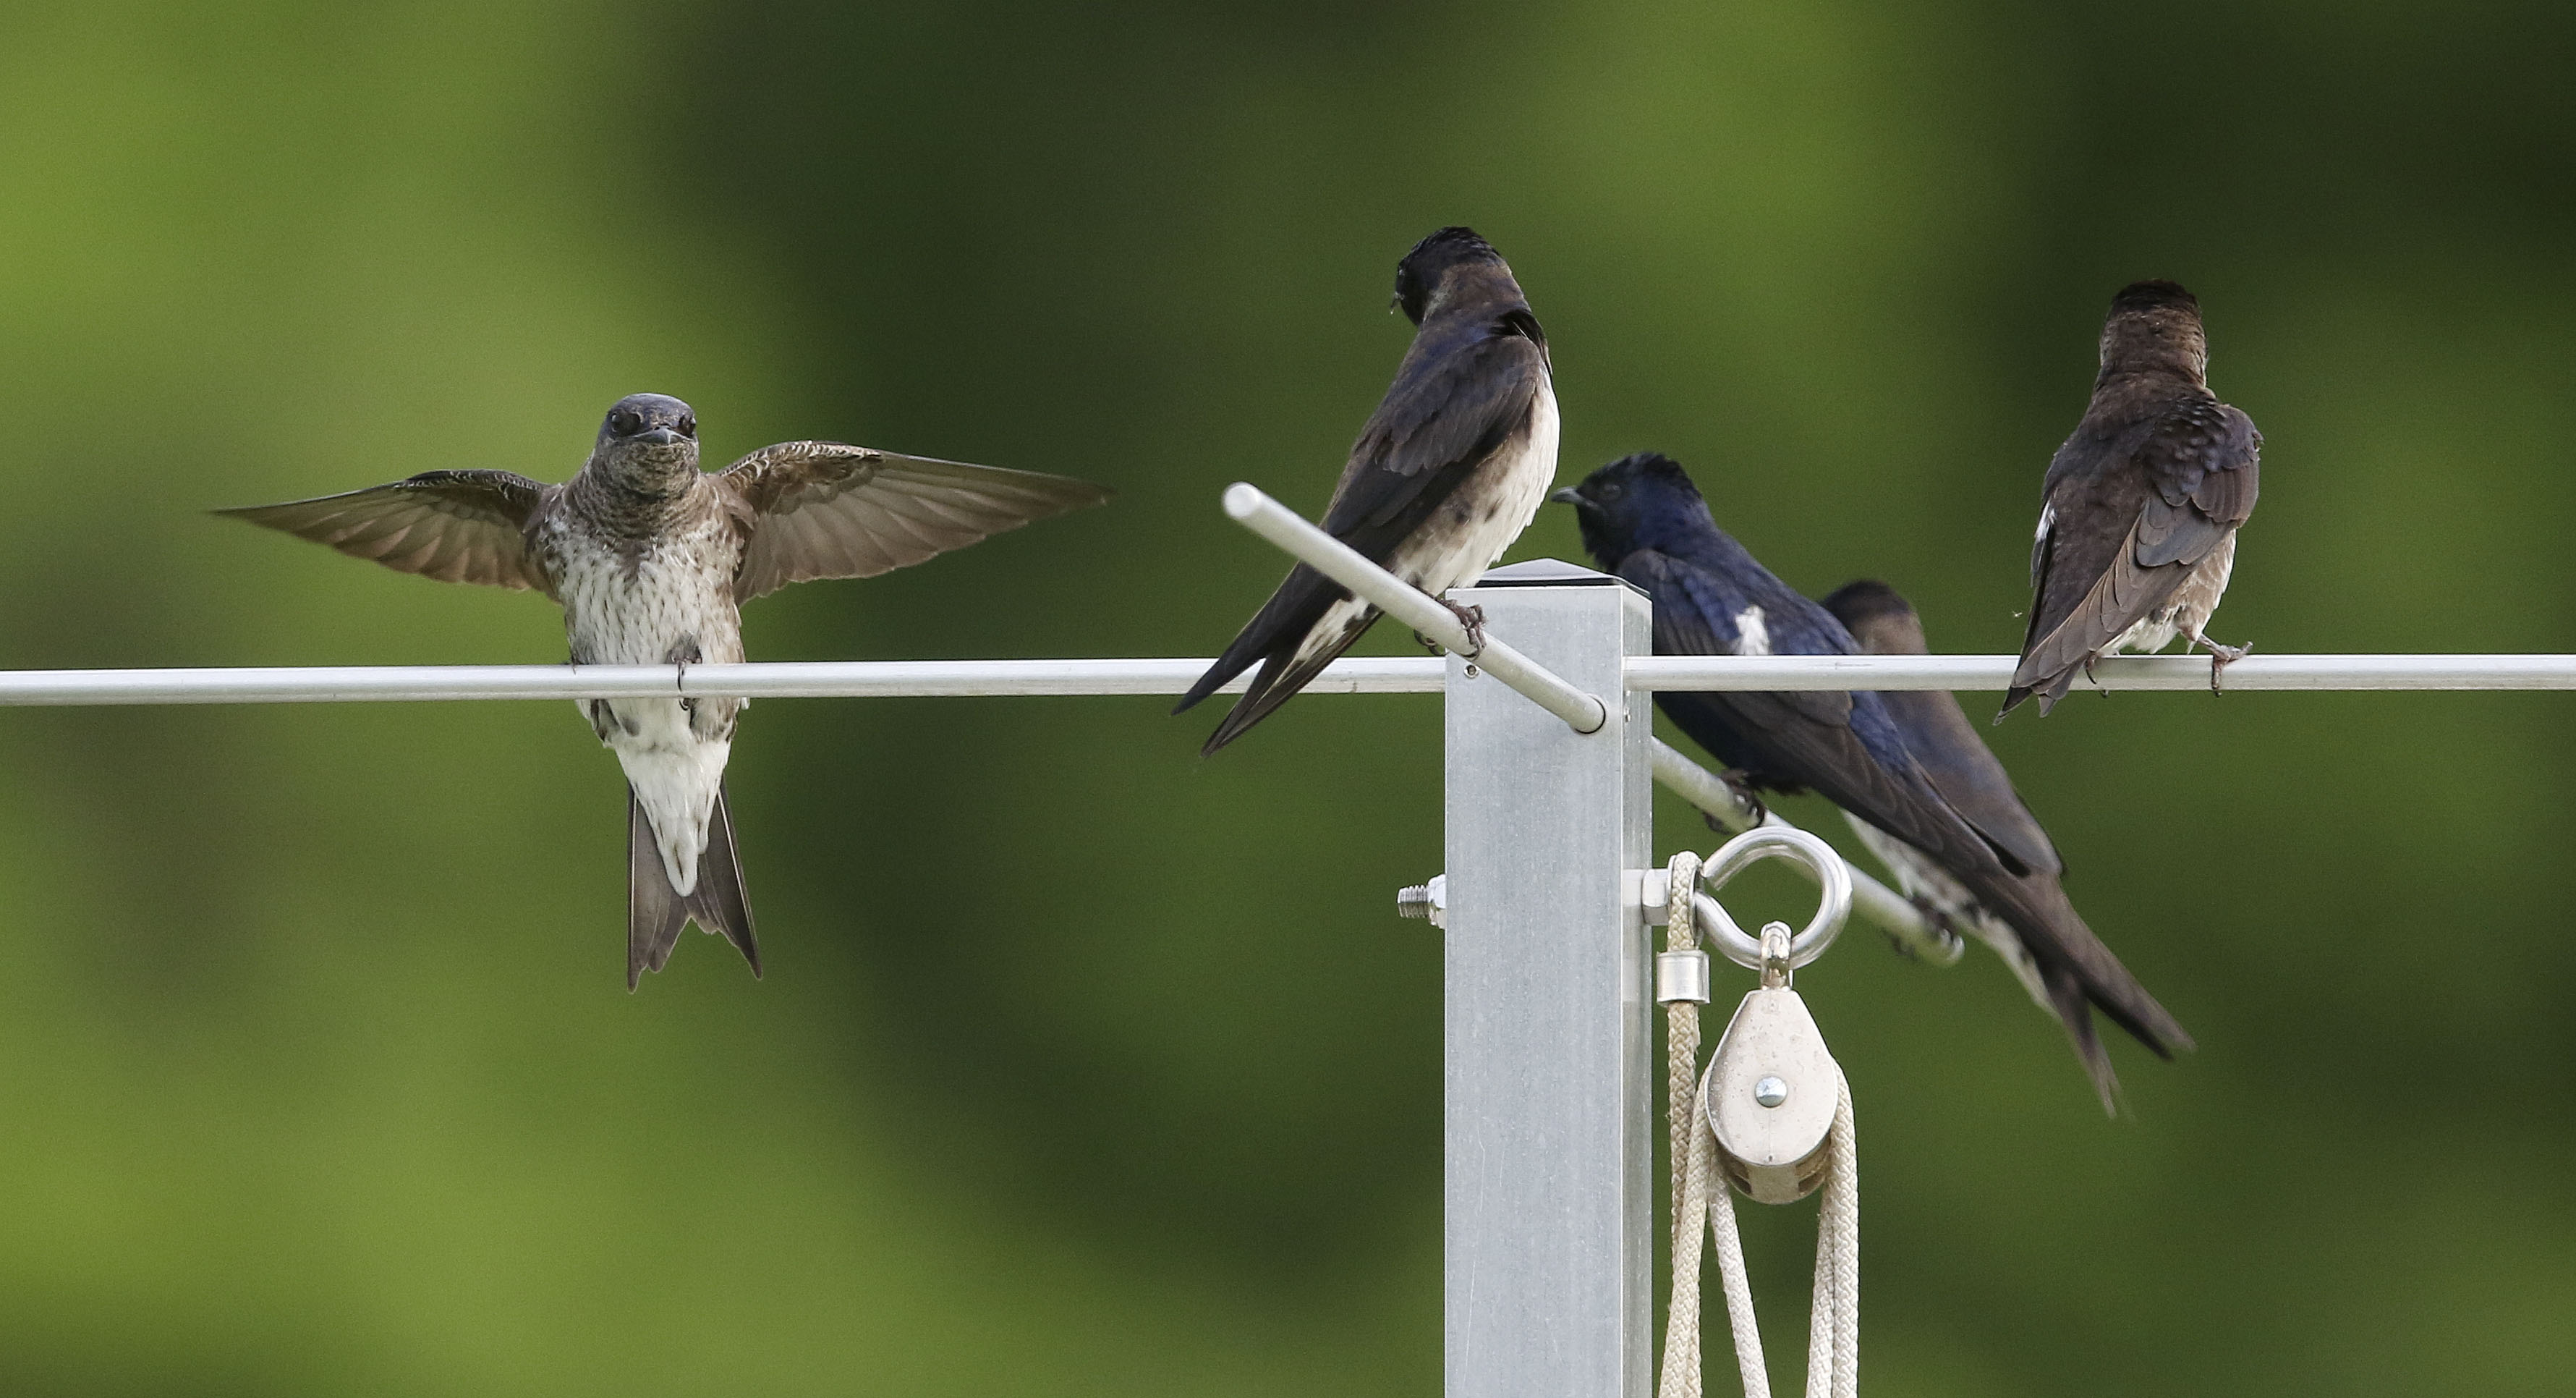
1644 520
1447 472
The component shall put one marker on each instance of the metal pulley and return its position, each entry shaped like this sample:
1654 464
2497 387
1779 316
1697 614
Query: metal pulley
1771 1089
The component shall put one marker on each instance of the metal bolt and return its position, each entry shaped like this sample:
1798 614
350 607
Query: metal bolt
1770 1092
1425 901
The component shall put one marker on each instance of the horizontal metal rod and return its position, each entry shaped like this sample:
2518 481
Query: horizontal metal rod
1872 900
2171 672
889 679
1410 605
836 679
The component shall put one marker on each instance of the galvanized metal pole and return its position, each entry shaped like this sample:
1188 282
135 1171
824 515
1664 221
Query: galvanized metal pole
1549 1158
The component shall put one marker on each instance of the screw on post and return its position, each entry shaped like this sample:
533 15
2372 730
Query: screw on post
1425 902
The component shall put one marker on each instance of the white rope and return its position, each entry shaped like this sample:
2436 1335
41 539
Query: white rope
1700 1192
1833 1323
1694 1161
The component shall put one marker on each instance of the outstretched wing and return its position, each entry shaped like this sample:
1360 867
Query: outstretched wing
455 526
826 510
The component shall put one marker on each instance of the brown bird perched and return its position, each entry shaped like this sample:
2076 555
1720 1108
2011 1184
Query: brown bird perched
652 560
2077 970
2139 512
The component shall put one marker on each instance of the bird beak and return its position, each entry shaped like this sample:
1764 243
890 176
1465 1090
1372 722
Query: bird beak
661 437
1569 496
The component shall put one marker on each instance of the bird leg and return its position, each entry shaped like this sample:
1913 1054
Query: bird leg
1472 618
2220 657
1943 928
1740 783
681 653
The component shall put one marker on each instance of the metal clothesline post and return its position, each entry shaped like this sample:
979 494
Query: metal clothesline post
1548 1213
1547 1143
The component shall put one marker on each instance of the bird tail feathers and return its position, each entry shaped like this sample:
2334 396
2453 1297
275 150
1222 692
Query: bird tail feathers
2049 690
656 913
2075 1010
1291 668
1291 611
2081 974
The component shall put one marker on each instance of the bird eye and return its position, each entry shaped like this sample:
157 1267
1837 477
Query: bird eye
689 426
621 423
1612 490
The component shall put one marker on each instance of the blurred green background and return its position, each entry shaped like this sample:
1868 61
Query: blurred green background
1084 1066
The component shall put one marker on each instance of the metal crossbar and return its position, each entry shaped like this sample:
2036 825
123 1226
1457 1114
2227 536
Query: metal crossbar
2151 672
852 679
897 679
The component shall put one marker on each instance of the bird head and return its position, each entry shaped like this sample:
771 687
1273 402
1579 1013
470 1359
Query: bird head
1422 278
649 443
1878 617
2154 325
1640 501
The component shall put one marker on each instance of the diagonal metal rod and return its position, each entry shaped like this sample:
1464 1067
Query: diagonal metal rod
1411 605
1875 902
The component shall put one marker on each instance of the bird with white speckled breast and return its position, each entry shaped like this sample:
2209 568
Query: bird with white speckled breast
652 559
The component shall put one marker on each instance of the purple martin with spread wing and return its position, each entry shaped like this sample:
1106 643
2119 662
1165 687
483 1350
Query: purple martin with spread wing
1445 475
2139 512
652 560
1644 520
